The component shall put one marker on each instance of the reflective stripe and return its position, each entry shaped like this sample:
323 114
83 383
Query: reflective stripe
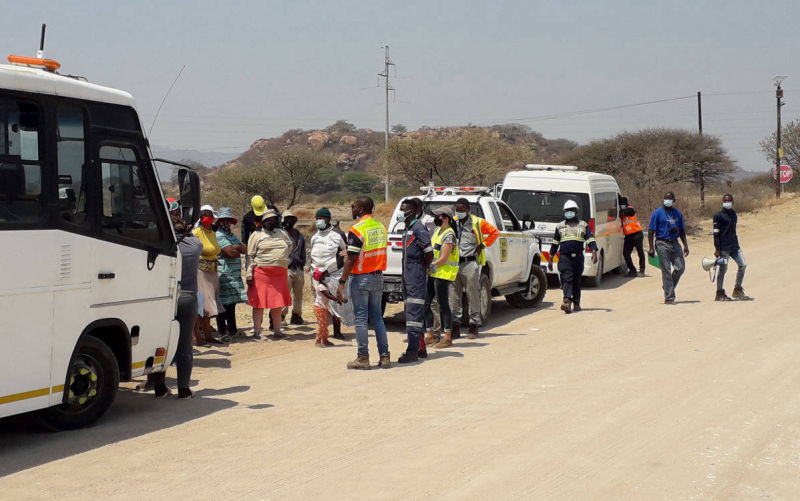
351 248
415 300
414 324
716 230
427 249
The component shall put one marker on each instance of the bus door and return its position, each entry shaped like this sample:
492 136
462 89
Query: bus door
26 290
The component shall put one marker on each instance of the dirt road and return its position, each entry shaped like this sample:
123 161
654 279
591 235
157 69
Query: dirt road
630 398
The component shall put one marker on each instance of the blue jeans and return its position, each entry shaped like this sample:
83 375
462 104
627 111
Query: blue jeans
366 292
738 258
670 256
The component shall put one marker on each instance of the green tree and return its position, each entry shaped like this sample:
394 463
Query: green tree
790 142
342 127
325 180
399 129
298 167
359 182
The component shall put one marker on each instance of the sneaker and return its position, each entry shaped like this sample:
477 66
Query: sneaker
361 362
630 273
319 344
576 307
721 296
738 293
257 336
338 335
185 393
473 331
407 358
328 343
385 362
566 306
641 273
669 301
444 343
277 335
161 390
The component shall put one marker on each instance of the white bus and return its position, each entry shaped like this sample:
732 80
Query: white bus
89 260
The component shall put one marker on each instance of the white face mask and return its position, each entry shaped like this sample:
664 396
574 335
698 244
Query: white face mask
668 203
569 214
727 205
461 215
321 224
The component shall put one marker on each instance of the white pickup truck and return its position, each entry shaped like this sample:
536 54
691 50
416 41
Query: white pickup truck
513 262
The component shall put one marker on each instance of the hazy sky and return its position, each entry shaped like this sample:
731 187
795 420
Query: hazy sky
255 69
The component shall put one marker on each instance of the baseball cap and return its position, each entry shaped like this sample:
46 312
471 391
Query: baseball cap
444 211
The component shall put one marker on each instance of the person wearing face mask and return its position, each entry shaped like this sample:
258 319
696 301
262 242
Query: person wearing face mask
474 235
207 277
297 261
572 235
726 245
443 271
634 237
366 261
417 257
266 273
327 245
666 226
229 268
321 282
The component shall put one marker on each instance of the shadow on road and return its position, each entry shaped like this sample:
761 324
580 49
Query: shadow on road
23 445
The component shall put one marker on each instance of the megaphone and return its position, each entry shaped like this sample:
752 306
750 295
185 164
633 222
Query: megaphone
710 265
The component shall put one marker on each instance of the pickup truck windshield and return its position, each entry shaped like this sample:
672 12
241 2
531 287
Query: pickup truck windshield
544 206
429 206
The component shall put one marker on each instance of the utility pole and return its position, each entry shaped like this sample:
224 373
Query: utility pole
386 63
702 170
778 150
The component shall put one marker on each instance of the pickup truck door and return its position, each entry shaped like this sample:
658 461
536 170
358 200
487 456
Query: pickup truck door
518 243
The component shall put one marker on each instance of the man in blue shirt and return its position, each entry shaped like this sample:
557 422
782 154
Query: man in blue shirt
726 245
666 226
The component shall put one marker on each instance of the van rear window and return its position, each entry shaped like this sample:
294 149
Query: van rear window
545 206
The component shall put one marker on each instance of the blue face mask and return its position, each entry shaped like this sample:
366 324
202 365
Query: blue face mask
569 214
668 203
321 224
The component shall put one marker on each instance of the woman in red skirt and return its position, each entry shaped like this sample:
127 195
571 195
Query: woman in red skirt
267 276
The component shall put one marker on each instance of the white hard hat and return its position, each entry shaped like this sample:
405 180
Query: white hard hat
570 205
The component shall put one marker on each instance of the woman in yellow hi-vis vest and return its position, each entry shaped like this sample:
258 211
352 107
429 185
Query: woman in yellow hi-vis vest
443 272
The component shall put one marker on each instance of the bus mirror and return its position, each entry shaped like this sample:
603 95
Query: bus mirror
189 186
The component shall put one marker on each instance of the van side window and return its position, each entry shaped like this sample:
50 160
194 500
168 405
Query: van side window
127 211
71 165
20 167
606 203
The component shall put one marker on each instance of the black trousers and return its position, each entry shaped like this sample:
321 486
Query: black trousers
570 269
634 240
226 321
438 288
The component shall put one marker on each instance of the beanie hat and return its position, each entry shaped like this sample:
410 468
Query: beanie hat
324 212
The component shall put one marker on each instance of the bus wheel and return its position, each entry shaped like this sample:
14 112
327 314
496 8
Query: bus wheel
92 382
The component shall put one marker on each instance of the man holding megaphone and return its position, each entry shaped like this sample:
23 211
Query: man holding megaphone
726 246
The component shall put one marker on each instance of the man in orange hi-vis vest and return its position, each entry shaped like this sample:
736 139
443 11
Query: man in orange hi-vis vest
366 262
634 237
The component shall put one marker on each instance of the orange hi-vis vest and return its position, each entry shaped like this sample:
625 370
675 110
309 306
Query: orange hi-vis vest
630 224
372 254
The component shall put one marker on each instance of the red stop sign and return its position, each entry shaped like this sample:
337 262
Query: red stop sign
786 174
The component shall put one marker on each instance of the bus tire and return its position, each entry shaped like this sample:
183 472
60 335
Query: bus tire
89 390
532 296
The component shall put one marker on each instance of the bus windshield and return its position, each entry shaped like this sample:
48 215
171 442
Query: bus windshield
545 206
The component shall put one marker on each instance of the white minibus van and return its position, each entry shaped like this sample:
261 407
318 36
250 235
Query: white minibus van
89 258
537 195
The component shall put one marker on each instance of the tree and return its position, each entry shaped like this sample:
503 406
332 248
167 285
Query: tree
326 180
790 142
298 166
342 127
359 182
399 129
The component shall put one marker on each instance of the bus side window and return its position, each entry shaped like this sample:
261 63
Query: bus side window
127 212
20 167
71 165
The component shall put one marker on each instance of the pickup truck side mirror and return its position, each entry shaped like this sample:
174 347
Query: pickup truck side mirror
189 186
528 225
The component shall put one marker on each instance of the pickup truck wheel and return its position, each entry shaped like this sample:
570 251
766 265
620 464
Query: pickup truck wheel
534 292
596 280
92 382
485 302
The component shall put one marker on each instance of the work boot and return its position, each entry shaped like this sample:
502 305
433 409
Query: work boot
670 301
430 339
297 319
473 331
444 343
337 332
576 306
385 362
641 273
407 358
566 306
738 293
630 273
721 296
361 362
456 330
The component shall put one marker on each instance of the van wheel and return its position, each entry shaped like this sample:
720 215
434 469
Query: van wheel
596 280
90 387
485 299
534 292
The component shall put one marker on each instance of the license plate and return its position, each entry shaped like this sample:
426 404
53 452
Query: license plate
392 287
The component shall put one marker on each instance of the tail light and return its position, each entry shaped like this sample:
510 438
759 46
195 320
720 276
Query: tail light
591 227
